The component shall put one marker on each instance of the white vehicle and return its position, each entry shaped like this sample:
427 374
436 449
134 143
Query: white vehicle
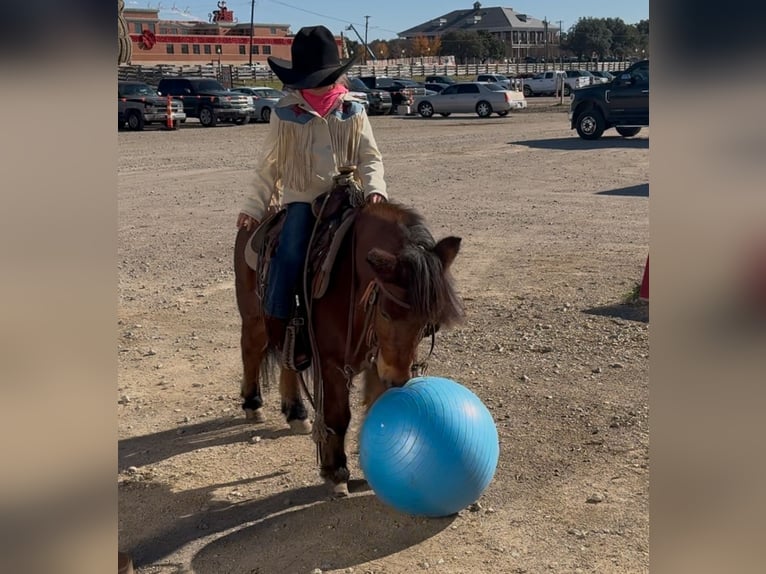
480 98
547 83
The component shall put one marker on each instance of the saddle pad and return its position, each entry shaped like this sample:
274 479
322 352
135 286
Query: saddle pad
254 244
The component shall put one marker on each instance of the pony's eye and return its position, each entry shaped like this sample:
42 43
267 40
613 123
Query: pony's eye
385 315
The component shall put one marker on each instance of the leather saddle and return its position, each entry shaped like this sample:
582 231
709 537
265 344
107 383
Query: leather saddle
335 212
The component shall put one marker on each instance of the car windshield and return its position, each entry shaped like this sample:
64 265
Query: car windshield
136 90
495 87
357 84
501 77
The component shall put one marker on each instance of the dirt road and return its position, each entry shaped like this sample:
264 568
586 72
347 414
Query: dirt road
555 234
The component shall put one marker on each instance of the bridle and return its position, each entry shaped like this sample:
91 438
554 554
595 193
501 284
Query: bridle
371 297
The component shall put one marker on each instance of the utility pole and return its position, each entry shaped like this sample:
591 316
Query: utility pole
545 28
366 24
561 61
252 10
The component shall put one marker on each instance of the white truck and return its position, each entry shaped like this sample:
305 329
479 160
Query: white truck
549 82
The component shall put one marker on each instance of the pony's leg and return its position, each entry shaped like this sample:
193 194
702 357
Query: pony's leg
337 415
254 341
292 403
373 386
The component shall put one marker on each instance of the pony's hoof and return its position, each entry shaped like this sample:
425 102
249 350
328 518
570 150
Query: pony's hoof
300 426
255 415
339 490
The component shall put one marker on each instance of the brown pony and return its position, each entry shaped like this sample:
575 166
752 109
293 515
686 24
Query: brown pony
390 285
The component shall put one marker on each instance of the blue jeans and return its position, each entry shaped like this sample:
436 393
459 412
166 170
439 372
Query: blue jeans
286 269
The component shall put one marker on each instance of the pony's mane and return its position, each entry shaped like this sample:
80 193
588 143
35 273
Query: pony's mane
431 289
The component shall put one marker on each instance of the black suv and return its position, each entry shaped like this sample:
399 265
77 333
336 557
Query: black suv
207 100
622 103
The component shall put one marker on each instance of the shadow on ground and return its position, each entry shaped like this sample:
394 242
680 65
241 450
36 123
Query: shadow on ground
633 312
640 190
329 535
148 449
295 530
575 143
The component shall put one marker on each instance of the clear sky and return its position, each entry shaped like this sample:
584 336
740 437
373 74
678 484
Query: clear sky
388 17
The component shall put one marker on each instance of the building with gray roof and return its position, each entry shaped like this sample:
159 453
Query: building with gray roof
522 35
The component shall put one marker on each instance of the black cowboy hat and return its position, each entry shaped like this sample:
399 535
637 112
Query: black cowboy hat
315 60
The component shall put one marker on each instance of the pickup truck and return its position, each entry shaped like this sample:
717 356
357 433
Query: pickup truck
622 104
207 100
139 104
547 83
402 90
378 101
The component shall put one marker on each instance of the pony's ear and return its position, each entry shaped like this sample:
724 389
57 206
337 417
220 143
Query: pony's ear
446 250
383 262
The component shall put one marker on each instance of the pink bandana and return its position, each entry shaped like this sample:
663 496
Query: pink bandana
323 103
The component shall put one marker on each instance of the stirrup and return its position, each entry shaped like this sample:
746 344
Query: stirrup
295 363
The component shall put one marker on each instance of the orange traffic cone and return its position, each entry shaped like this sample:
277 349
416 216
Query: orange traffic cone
170 113
643 293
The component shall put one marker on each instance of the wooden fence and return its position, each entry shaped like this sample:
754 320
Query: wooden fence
245 75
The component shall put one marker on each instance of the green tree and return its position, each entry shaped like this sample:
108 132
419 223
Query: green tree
492 47
642 37
399 48
589 36
463 45
624 37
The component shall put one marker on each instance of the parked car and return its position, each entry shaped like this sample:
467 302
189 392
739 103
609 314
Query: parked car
207 100
378 101
548 82
402 90
602 77
499 79
440 80
264 101
139 104
480 98
622 104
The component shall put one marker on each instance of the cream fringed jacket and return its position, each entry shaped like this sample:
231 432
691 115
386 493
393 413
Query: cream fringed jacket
303 151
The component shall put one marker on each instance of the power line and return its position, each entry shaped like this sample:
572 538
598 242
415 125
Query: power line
345 21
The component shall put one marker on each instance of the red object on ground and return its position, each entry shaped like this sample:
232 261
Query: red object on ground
170 113
643 293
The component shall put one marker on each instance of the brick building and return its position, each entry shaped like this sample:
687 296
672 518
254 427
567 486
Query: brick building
522 35
171 37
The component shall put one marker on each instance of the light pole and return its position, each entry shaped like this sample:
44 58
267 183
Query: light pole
218 51
366 23
252 9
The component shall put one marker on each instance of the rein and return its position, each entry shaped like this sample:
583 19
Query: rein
369 300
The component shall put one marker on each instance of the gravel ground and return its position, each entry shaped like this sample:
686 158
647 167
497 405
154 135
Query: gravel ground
555 236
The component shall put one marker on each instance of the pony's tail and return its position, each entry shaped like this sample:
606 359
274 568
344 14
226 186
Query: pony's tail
269 369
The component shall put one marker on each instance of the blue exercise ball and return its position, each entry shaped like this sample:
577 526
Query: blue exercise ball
428 448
